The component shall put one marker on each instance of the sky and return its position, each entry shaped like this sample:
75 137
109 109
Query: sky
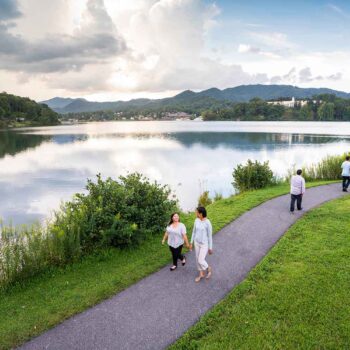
106 50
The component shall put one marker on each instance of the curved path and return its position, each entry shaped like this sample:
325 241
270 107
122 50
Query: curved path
154 312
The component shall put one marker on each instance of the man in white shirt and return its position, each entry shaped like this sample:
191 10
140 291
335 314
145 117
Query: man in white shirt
297 190
346 174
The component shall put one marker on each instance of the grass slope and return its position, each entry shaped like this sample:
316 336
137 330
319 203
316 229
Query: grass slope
40 303
296 298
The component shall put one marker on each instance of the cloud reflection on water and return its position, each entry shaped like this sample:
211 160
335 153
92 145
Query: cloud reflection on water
35 180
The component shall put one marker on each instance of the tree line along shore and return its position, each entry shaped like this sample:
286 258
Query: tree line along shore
18 111
323 107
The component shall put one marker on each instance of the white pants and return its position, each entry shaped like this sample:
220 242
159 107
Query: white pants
201 252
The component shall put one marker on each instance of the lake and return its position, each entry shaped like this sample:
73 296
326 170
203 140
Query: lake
40 167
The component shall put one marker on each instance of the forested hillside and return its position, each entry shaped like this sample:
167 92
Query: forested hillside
325 107
190 101
18 111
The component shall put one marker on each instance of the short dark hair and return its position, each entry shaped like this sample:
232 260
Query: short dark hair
299 172
347 157
203 211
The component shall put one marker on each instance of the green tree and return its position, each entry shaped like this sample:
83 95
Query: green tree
15 109
306 112
326 111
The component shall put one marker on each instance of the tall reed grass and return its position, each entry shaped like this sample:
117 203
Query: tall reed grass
28 250
329 168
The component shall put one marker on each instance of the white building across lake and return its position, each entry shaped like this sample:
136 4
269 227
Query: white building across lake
289 103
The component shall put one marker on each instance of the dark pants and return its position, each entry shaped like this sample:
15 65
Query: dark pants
176 253
298 198
346 182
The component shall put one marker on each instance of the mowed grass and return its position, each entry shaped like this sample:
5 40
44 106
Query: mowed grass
296 298
38 304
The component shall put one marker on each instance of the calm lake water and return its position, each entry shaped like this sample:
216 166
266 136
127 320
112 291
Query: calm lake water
39 167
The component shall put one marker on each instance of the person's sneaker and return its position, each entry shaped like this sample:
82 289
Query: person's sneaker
173 268
345 190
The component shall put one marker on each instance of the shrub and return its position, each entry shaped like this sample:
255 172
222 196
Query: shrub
218 196
253 175
204 199
117 213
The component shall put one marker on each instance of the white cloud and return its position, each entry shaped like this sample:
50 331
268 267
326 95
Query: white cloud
95 41
117 48
335 77
244 48
168 53
273 40
162 54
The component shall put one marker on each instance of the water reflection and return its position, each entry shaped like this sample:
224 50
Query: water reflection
155 127
34 182
12 143
251 140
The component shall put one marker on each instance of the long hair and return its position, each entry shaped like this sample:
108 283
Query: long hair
171 218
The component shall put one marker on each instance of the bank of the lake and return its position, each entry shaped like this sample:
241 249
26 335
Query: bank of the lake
40 167
296 298
16 112
40 303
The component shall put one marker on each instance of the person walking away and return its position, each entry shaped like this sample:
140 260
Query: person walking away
297 190
202 237
346 173
176 235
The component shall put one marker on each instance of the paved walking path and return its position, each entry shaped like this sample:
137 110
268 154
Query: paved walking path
154 312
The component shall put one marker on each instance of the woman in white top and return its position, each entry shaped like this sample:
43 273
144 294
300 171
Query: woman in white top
202 237
176 235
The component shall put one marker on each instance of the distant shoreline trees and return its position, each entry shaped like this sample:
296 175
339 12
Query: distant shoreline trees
18 111
324 107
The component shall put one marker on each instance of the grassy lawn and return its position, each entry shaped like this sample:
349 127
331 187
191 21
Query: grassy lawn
40 303
296 298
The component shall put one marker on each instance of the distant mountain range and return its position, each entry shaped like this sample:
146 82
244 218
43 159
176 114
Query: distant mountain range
242 93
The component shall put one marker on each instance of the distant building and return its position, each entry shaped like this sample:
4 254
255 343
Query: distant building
145 118
177 116
289 103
